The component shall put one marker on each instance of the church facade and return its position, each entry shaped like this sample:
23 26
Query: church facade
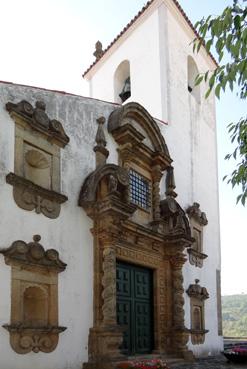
110 242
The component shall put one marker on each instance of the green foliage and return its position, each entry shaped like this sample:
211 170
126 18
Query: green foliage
234 314
227 35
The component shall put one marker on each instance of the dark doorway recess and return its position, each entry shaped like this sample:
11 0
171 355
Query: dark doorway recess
135 308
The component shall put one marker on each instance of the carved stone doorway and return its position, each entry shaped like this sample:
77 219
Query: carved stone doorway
135 308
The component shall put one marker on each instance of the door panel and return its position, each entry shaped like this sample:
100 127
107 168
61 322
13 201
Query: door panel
134 308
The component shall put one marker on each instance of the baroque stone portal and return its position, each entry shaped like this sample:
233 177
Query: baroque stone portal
34 296
132 224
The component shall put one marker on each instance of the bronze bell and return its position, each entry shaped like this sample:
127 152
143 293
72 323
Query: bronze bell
126 91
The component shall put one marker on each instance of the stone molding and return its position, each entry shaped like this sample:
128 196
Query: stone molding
34 296
30 196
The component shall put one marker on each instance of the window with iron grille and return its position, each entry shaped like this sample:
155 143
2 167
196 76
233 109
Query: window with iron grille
139 190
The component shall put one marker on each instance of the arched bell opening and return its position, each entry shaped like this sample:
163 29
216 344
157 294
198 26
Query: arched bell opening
122 82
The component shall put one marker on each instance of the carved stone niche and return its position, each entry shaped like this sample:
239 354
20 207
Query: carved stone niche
198 220
36 177
198 295
34 296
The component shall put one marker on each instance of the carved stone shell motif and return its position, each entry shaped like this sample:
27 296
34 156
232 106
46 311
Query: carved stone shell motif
36 159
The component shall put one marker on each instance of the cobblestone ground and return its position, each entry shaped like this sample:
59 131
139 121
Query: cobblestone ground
210 363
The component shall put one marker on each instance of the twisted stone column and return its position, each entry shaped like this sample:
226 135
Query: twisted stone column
180 333
109 285
156 175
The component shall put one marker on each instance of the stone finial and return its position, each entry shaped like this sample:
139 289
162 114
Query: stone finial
100 149
170 183
98 50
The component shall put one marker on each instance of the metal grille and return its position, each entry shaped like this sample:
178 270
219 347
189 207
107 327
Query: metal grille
139 190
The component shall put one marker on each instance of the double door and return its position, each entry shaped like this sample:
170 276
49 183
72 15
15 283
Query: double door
134 308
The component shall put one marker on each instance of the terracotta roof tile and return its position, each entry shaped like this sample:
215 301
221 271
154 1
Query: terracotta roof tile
145 7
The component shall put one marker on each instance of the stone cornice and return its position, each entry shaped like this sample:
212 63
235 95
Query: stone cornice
33 253
15 180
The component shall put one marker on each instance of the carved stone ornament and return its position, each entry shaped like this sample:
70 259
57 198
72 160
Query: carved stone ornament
175 219
152 237
39 120
34 296
38 141
30 196
195 212
98 50
195 257
198 220
198 292
197 296
121 125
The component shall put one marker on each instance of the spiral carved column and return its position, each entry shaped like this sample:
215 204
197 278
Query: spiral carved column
156 175
180 333
109 286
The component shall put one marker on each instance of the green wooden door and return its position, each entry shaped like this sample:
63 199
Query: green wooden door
134 308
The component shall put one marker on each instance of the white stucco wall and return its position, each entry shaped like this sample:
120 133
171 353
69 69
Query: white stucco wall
144 67
158 50
191 138
69 234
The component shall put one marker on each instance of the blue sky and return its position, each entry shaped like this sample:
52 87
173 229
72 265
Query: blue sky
49 43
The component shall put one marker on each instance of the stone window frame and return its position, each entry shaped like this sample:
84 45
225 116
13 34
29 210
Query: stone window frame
198 220
33 327
197 295
38 141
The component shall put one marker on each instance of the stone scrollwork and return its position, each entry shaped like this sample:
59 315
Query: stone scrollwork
34 301
30 196
36 177
26 339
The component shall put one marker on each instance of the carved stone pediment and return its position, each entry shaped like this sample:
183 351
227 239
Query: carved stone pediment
37 119
198 292
147 141
176 221
195 212
34 296
114 193
33 253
